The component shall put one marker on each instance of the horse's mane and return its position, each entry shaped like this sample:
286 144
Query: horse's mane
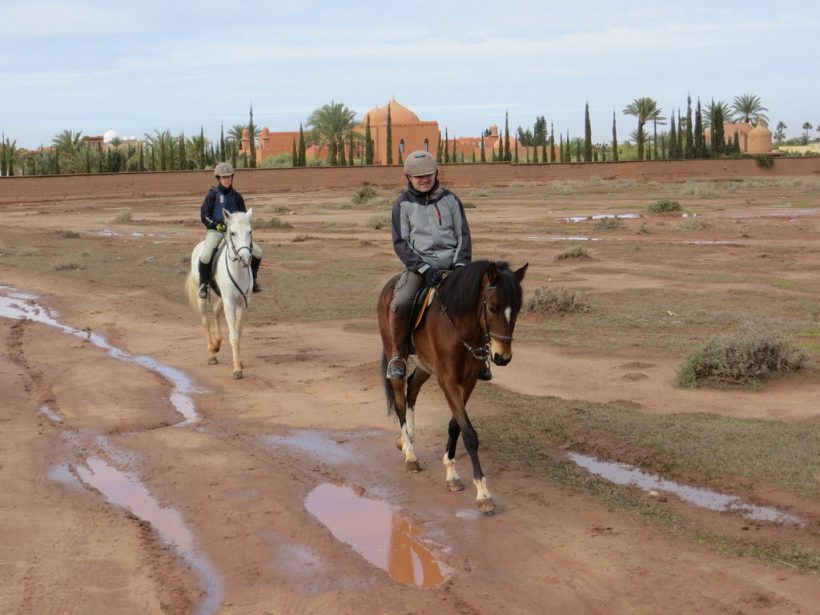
459 293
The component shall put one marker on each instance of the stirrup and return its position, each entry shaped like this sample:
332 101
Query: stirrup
396 369
203 291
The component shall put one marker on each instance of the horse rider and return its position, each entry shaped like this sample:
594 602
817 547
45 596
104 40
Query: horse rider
220 197
430 236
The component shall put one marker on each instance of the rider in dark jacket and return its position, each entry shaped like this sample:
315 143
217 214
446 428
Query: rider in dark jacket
430 236
219 198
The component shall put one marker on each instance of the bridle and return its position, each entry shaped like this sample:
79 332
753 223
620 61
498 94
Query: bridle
232 254
480 352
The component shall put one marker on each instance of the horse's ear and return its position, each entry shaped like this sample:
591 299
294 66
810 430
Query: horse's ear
227 215
519 273
492 273
249 213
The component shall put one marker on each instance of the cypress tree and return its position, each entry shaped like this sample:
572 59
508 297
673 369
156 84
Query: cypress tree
350 150
516 152
483 152
673 138
201 148
341 149
699 150
301 152
736 145
294 155
222 146
454 157
183 159
389 137
552 145
561 146
439 149
534 154
368 143
614 139
507 154
252 140
718 133
446 145
689 150
587 135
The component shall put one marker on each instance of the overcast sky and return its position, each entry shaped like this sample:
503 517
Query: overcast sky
149 65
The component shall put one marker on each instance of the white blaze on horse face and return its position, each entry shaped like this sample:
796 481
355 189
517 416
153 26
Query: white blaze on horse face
508 313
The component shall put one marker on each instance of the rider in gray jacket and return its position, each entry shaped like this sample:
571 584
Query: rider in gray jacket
430 236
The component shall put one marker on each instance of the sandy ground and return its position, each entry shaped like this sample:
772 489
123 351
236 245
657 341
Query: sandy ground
212 515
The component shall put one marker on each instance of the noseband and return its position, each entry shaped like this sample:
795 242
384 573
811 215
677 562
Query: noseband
482 352
232 253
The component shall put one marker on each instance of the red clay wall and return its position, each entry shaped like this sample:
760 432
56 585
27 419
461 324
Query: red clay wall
255 181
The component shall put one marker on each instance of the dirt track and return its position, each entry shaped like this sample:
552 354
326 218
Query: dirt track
231 532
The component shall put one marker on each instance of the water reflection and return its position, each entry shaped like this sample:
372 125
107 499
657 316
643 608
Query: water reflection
377 533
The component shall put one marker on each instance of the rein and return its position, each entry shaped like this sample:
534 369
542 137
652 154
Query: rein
235 258
481 352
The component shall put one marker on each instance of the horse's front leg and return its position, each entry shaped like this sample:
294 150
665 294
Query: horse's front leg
233 316
457 397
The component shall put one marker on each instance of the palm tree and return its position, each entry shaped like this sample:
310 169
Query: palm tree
67 144
646 110
329 124
806 128
709 112
749 108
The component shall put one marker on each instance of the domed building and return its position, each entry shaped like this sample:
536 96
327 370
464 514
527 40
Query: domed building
759 140
407 132
749 141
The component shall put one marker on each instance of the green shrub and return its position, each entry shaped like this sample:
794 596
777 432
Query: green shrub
767 162
555 301
363 194
664 206
745 357
608 224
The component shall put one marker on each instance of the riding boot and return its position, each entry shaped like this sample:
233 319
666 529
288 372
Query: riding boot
204 279
255 262
397 367
484 373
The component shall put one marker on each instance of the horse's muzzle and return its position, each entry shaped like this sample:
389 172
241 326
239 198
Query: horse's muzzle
500 359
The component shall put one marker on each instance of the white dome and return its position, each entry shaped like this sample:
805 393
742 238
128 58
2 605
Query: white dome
109 135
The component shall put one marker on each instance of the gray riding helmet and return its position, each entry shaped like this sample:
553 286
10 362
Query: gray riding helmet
420 163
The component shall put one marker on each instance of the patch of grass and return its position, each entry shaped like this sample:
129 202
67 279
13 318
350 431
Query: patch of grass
302 237
67 265
572 252
664 206
66 234
378 222
559 300
125 216
745 357
529 433
274 222
608 224
363 194
696 224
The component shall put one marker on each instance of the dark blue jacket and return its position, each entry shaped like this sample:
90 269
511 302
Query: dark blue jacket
218 199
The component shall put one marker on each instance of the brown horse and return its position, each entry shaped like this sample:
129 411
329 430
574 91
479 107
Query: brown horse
470 320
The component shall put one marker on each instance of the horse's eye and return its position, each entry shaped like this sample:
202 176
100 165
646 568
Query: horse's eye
493 309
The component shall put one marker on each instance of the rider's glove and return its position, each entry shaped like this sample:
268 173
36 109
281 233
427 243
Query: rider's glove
432 276
220 227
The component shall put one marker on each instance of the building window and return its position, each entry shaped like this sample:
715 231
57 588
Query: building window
426 145
401 146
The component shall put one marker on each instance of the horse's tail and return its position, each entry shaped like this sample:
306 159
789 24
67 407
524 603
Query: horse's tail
388 389
191 289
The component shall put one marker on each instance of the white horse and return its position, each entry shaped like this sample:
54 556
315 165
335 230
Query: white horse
231 284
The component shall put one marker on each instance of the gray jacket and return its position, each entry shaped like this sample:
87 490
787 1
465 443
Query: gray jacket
430 230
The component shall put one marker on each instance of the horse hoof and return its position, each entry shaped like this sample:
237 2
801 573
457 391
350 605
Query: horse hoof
212 361
412 466
455 485
238 375
486 506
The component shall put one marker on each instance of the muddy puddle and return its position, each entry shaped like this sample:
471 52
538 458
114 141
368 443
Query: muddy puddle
376 531
119 488
623 474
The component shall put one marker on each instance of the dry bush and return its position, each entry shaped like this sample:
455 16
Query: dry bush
377 222
274 222
745 357
573 252
559 300
125 216
64 234
363 194
608 224
664 206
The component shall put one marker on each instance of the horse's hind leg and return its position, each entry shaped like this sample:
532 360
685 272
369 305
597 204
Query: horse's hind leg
404 442
233 315
453 479
414 383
